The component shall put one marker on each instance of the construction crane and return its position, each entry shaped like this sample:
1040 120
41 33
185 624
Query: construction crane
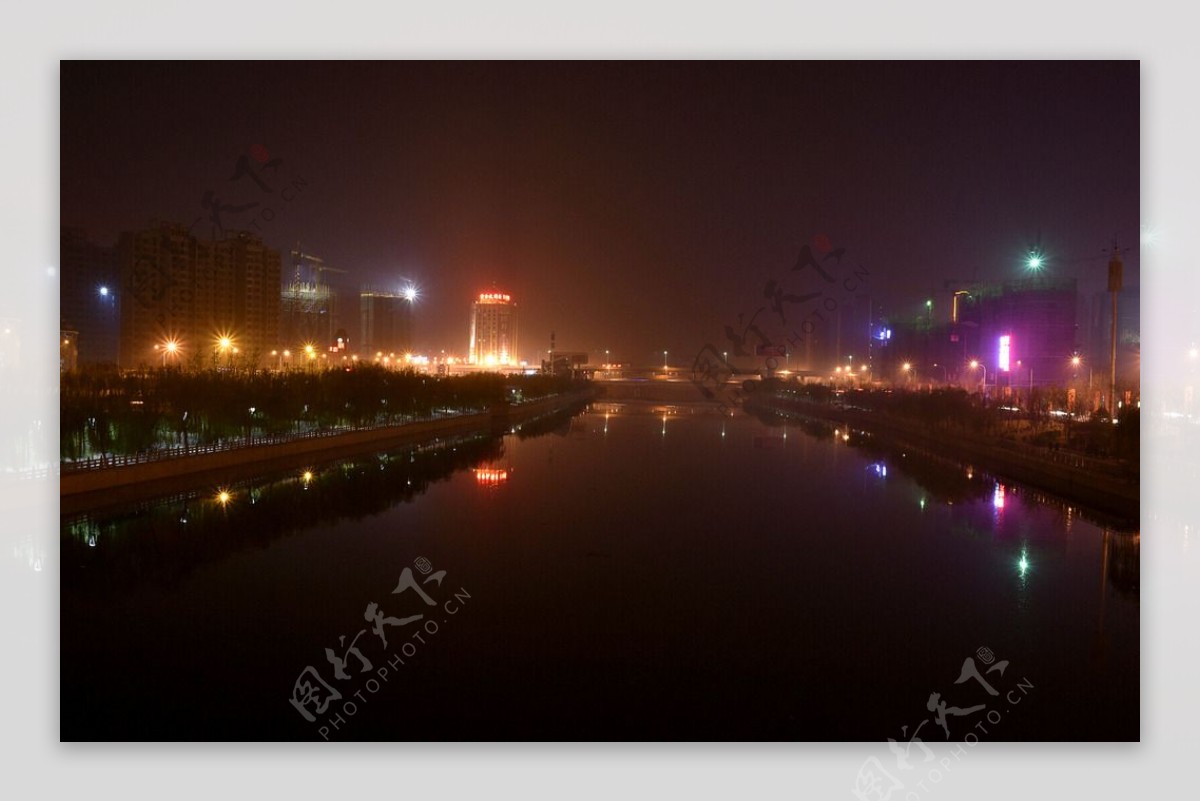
316 266
309 308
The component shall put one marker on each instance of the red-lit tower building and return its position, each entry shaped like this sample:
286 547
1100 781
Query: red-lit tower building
493 330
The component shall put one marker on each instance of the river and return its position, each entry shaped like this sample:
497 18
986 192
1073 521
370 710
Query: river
638 571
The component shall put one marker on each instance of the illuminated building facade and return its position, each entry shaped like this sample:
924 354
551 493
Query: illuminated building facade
493 330
306 315
1027 330
308 306
1023 333
217 300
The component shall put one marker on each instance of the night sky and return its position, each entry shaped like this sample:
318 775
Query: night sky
628 206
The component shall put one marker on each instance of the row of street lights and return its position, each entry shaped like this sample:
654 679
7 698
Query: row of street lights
975 364
225 346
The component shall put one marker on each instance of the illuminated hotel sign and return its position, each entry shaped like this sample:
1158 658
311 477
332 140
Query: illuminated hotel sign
1005 351
494 297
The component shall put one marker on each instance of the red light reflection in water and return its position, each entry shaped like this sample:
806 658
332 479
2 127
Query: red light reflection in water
491 477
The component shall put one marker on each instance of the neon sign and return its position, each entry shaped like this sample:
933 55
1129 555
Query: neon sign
1005 352
494 297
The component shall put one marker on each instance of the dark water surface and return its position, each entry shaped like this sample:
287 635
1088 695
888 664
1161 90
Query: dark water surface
637 572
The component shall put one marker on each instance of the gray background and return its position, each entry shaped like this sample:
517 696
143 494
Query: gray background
36 765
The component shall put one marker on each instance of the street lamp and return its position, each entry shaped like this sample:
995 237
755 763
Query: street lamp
664 360
907 368
225 346
1076 361
167 347
975 363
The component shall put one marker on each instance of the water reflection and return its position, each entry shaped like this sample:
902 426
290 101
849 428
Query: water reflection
951 483
163 541
490 477
1122 561
617 571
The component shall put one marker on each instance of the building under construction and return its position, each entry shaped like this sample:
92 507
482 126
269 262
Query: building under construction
386 323
308 306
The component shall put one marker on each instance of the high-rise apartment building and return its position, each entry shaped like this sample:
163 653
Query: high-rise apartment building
217 300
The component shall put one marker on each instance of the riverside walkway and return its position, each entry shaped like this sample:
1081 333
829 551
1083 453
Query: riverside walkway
125 479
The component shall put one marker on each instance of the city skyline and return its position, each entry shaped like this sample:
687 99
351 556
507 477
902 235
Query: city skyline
657 195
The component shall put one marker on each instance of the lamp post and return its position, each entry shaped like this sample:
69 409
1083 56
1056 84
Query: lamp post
1115 276
170 347
1076 361
975 363
225 347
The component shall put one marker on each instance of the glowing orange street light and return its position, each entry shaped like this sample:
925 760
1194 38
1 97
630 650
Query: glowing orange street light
168 347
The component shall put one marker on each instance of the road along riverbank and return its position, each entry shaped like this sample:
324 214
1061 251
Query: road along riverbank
124 484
